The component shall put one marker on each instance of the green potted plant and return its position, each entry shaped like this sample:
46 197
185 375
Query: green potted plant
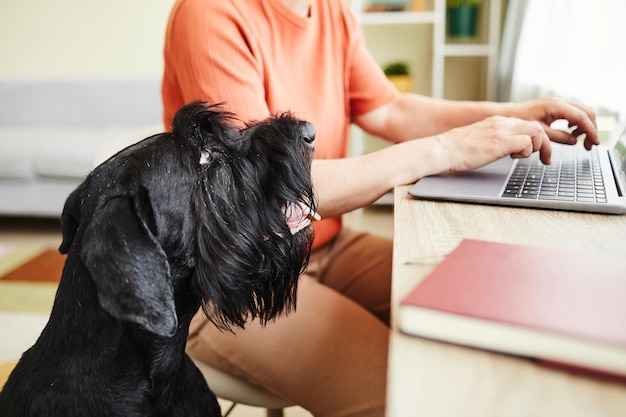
462 17
398 73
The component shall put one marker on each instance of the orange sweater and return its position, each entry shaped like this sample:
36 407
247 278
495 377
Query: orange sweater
259 58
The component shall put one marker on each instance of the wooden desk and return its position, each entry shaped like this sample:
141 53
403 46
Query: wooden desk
428 378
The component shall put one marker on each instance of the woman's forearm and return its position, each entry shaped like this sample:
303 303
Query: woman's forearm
343 185
413 116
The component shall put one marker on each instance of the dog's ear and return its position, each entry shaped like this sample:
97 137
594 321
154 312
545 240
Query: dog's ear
129 268
69 219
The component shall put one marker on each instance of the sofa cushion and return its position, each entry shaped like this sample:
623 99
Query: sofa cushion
53 152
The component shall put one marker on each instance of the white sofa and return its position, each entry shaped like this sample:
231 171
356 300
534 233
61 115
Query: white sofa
53 132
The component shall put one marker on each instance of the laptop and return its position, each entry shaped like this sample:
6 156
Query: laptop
590 181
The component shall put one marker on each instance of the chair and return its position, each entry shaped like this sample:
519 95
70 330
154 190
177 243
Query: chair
233 388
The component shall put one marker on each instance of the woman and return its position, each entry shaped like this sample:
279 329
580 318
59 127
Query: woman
260 57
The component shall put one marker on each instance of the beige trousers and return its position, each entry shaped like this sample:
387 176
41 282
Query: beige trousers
330 355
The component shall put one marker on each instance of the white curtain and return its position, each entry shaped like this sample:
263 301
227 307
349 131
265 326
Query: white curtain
575 49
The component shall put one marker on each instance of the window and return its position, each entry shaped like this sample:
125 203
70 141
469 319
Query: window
573 49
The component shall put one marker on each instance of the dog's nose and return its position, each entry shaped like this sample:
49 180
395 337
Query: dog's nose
308 132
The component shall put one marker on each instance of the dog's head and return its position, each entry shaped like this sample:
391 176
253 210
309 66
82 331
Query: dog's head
209 211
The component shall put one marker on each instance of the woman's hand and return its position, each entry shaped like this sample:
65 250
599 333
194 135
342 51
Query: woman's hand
480 143
581 118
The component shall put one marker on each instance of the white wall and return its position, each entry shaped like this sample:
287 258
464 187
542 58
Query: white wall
82 39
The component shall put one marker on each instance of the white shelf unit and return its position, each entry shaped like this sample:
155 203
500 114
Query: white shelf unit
488 45
442 49
490 37
408 17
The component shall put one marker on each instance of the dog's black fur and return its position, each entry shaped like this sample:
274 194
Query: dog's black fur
179 220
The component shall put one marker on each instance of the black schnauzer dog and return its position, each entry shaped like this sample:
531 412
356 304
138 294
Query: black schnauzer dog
208 216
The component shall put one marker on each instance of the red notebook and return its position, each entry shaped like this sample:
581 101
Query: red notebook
554 305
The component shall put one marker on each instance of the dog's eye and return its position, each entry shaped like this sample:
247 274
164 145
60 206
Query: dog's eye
206 156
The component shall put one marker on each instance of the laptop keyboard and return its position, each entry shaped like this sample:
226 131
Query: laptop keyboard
574 175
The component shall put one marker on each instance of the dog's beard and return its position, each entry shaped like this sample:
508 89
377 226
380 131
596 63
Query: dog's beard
249 263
